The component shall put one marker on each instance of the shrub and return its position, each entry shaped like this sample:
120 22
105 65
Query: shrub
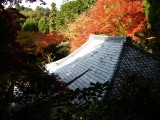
30 25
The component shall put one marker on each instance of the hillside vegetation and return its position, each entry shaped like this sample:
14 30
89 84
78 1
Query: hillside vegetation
76 20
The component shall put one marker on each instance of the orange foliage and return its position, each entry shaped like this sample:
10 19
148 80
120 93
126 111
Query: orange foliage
47 39
109 17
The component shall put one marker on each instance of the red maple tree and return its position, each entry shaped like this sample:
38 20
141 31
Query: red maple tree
109 17
45 40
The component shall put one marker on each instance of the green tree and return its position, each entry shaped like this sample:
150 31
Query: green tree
46 12
38 13
28 12
152 11
70 10
42 25
19 7
30 25
52 17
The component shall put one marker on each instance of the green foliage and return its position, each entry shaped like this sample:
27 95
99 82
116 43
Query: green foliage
28 12
52 16
42 25
63 48
20 8
146 7
35 14
41 12
30 25
70 10
46 12
58 50
150 39
152 11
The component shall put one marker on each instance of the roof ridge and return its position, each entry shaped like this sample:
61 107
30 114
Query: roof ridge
128 40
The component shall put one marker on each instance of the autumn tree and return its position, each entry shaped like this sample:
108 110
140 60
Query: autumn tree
109 17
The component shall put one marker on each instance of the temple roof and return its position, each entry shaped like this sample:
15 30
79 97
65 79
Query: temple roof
102 59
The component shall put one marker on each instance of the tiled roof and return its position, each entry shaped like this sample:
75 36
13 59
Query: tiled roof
104 58
136 61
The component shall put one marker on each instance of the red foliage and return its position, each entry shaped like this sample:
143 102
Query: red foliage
110 17
47 39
